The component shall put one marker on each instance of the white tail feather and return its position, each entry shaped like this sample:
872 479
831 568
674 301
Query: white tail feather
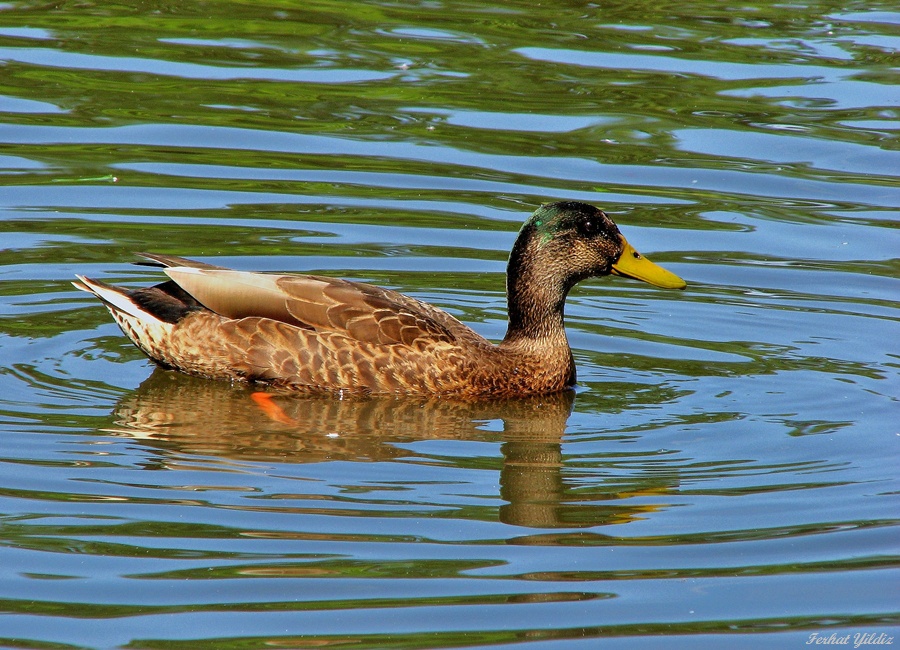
114 299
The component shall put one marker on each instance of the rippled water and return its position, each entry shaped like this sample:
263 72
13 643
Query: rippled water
725 475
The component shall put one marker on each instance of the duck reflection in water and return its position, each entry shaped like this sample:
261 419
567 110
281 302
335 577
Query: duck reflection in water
186 415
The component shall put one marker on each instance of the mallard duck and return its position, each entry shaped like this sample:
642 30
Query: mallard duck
316 334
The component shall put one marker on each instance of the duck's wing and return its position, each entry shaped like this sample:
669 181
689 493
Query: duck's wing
369 313
359 311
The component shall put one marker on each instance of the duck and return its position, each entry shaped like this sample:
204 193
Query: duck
317 334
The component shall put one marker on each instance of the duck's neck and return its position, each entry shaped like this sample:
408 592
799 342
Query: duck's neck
536 295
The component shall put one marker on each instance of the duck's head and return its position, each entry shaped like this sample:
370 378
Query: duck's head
566 242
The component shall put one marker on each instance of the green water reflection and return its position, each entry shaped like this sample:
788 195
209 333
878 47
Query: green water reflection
724 475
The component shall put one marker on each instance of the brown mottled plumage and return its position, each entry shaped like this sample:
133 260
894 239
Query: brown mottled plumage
317 334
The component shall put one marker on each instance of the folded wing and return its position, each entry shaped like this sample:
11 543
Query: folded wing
359 311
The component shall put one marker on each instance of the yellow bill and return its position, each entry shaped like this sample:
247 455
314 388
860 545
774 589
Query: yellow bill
632 264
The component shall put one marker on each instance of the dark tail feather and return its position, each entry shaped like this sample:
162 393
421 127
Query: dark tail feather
166 261
166 302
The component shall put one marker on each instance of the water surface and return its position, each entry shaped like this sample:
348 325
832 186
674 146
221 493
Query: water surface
725 474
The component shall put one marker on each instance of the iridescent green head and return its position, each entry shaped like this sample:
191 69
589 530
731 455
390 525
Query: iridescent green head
569 241
569 218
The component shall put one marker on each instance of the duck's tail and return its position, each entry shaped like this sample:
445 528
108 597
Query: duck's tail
119 301
147 316
163 303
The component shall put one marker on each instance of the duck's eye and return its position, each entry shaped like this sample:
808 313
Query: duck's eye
588 227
